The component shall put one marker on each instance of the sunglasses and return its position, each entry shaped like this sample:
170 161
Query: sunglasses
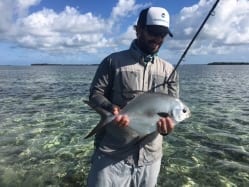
155 34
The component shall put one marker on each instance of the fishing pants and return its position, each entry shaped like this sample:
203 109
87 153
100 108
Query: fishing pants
106 172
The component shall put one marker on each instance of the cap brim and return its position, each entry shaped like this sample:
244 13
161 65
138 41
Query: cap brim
159 30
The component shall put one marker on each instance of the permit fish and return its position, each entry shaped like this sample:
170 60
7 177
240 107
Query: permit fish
144 111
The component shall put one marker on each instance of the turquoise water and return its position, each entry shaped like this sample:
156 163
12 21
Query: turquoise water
43 121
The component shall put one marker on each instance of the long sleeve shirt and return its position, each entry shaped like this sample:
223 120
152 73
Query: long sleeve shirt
119 78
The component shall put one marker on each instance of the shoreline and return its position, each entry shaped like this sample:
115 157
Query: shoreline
228 63
46 64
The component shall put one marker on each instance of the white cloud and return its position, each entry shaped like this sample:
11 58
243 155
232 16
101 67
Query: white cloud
22 6
228 27
125 39
123 8
70 31
13 8
48 30
51 31
231 25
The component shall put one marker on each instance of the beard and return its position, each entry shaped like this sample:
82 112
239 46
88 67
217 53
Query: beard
149 46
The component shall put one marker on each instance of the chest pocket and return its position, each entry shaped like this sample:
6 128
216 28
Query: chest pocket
158 80
130 83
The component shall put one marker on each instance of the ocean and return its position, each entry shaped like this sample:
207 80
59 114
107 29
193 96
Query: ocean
43 121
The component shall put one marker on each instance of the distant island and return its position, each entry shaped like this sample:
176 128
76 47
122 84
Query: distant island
228 63
47 64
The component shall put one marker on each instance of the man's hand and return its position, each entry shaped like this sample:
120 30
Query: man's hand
165 126
121 120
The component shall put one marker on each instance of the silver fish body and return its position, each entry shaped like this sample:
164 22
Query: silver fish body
144 111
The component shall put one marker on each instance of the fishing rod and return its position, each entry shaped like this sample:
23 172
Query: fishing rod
189 45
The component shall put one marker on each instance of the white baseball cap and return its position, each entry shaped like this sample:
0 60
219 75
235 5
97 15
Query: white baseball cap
155 19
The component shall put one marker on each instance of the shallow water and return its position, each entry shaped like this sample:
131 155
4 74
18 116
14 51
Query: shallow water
43 121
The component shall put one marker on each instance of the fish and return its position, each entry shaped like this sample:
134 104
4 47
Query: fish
144 111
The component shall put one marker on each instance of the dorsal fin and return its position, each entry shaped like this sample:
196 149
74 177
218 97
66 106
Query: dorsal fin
104 114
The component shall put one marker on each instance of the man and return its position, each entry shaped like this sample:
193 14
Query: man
121 158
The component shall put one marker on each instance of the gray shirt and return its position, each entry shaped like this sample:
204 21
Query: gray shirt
120 77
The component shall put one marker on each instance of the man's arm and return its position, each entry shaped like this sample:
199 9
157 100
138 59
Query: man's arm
101 87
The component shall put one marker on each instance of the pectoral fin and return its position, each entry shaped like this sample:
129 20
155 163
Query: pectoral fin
163 114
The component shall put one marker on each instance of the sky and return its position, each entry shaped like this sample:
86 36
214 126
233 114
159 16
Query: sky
86 31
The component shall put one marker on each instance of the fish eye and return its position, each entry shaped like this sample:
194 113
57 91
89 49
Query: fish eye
184 110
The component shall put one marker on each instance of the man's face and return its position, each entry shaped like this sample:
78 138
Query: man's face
150 43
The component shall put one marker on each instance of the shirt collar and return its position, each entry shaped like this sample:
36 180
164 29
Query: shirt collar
140 56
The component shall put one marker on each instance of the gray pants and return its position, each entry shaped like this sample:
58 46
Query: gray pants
106 172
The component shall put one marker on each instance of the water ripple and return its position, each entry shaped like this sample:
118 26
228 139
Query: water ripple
43 122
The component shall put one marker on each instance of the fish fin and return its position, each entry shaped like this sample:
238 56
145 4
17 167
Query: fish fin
104 114
95 129
163 114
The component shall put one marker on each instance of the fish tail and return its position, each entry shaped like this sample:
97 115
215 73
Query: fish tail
104 114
